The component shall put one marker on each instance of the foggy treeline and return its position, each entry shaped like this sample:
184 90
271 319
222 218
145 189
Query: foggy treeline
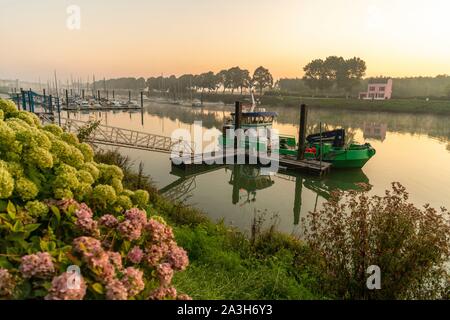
411 87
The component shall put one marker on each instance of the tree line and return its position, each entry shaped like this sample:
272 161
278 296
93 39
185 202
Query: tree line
407 87
345 74
232 79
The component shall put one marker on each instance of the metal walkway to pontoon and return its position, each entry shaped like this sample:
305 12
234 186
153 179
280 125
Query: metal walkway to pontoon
114 136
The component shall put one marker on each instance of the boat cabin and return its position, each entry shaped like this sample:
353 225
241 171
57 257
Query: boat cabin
255 119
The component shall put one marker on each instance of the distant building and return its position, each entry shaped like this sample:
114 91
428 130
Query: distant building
378 89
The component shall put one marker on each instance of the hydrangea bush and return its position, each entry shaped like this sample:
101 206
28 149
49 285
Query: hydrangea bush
60 210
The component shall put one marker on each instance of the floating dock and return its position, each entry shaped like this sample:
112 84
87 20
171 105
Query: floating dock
194 163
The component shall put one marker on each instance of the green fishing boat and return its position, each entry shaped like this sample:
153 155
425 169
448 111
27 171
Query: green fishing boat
330 147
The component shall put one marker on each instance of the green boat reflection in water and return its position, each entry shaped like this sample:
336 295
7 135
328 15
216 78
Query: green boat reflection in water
247 180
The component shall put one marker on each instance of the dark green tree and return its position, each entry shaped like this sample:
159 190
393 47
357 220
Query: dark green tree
262 78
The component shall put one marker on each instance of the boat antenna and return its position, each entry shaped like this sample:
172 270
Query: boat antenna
253 100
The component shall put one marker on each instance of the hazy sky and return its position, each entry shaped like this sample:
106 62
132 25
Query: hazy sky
150 37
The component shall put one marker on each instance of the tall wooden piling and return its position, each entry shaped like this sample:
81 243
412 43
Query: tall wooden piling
302 132
82 94
67 99
113 94
50 103
98 95
18 100
24 100
237 120
59 111
142 108
129 95
30 101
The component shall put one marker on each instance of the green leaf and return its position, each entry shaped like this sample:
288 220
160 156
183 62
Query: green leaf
3 205
31 227
51 246
97 287
56 212
4 263
44 245
16 236
11 209
18 226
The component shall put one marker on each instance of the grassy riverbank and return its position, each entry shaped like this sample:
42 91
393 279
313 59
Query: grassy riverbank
226 264
394 105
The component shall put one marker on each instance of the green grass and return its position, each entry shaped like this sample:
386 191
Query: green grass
225 264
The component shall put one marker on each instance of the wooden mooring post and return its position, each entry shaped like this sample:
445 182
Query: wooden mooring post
129 95
302 132
237 121
113 94
67 99
59 111
142 108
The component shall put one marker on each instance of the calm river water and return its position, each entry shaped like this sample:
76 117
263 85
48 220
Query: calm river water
411 149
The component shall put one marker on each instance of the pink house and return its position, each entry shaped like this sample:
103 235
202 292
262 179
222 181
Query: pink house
378 89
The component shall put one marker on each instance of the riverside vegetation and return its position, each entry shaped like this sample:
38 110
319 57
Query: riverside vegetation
126 253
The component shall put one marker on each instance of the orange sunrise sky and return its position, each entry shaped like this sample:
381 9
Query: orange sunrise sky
153 37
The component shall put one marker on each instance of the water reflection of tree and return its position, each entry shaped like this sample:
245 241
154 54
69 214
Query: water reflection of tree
210 119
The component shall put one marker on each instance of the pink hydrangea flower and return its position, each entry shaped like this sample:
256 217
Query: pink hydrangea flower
159 232
178 258
129 230
7 283
61 290
155 253
87 246
165 273
115 290
86 223
163 293
102 264
136 216
37 265
133 280
135 255
116 259
109 221
94 255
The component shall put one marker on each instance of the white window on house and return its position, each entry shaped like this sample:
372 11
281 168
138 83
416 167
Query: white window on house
381 89
371 88
381 95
